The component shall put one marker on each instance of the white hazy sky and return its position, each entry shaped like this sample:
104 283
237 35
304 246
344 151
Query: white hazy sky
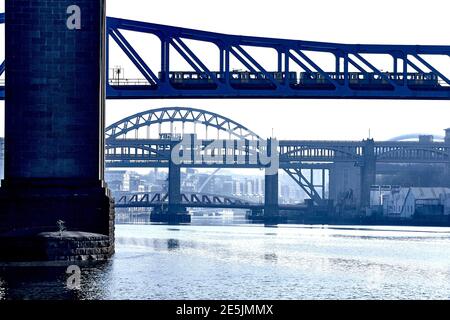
346 21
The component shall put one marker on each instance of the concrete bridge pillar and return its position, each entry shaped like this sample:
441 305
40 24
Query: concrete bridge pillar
447 165
368 171
174 190
176 212
54 130
344 183
271 211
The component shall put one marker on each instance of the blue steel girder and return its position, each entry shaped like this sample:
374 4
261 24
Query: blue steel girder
297 150
307 186
293 153
412 152
426 81
204 153
313 81
189 199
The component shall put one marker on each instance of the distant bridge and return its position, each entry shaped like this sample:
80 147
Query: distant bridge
192 200
140 140
189 199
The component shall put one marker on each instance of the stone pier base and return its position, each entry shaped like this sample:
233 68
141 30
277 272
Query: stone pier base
55 246
29 215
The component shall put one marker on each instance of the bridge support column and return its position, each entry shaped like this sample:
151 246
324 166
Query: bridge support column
176 213
344 184
447 165
368 171
54 133
271 210
174 182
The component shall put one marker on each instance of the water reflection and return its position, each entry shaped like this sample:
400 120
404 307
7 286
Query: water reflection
252 262
49 282
173 244
271 257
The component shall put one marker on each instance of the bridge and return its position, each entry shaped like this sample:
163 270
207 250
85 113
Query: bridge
147 139
305 69
55 104
191 199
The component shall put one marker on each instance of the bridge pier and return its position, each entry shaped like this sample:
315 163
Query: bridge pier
368 171
271 210
175 212
447 165
344 184
54 134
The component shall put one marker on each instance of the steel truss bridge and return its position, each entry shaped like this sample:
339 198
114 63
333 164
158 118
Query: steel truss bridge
191 200
140 140
350 70
197 200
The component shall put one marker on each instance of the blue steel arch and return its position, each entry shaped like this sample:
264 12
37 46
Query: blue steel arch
179 114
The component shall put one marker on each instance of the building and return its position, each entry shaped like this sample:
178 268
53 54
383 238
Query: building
284 193
378 193
404 203
132 182
115 179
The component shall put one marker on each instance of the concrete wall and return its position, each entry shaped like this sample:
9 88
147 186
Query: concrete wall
344 179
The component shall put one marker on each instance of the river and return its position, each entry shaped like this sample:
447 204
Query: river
218 258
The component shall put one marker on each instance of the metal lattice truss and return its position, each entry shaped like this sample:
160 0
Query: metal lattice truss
355 71
190 199
156 153
208 153
352 151
412 152
292 150
182 115
306 184
295 155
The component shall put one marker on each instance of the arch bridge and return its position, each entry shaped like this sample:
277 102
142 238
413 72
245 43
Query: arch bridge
140 140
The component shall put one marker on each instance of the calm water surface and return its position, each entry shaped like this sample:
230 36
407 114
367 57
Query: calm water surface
228 260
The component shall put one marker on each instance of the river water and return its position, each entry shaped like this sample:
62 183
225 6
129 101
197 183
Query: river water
216 258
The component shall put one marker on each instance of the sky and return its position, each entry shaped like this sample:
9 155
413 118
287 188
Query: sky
345 21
